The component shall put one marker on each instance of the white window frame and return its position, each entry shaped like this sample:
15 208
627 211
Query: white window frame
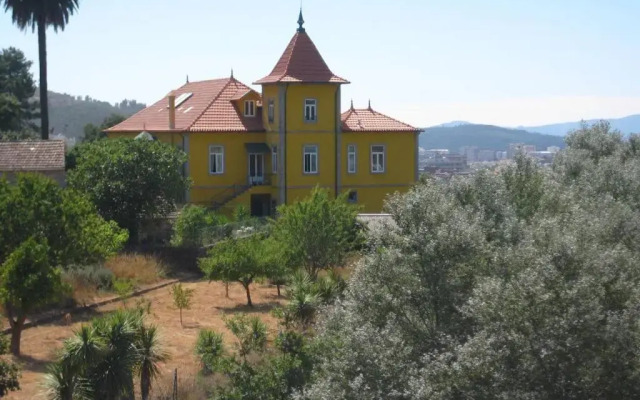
219 154
274 159
377 154
249 108
271 110
312 106
311 157
352 150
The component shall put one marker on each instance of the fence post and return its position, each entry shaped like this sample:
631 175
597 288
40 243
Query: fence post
174 396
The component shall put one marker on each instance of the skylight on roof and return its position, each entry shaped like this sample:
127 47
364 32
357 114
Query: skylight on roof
182 98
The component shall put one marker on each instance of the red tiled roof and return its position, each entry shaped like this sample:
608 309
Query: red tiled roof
223 115
368 120
301 62
210 108
37 155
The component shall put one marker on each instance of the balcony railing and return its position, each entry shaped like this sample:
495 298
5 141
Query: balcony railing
259 180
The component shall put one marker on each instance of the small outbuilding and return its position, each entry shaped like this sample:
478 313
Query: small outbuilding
42 156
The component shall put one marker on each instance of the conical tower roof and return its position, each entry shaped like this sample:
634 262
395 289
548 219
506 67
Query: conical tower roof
301 62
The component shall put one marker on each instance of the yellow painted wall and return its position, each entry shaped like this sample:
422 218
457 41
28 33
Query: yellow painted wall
326 107
400 163
320 133
208 186
373 188
326 159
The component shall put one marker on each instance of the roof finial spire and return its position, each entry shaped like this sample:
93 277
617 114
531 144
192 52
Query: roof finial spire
231 73
300 21
352 104
369 104
187 78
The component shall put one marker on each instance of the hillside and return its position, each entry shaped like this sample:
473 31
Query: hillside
626 125
69 114
483 136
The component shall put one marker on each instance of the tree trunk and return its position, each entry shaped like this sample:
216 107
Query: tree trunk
44 102
246 287
16 333
226 289
145 384
278 287
182 326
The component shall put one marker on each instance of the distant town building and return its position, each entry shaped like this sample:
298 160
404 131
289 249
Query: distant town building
470 152
544 157
486 155
501 155
553 149
450 162
42 156
431 153
515 148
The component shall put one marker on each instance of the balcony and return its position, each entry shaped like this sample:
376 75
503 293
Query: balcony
259 180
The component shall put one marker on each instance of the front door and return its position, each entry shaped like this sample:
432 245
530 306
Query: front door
256 168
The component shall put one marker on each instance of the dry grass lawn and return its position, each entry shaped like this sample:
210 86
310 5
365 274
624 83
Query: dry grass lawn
40 343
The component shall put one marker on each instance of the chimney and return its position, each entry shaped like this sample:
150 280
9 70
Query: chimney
172 110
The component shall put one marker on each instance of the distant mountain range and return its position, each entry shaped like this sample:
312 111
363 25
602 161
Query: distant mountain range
483 136
626 125
69 114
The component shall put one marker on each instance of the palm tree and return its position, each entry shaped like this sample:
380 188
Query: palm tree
112 377
63 383
42 14
84 349
149 354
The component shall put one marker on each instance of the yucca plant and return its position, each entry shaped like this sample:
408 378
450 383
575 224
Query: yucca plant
62 382
209 349
149 354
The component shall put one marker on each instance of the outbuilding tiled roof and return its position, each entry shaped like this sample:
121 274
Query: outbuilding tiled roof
37 155
368 120
301 62
209 108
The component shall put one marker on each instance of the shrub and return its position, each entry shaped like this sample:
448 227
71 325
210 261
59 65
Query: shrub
194 225
250 331
241 213
94 275
209 349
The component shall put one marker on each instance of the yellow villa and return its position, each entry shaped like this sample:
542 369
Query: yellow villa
271 148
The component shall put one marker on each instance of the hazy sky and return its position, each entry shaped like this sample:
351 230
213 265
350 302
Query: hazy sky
506 62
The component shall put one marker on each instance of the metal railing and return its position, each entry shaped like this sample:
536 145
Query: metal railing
265 179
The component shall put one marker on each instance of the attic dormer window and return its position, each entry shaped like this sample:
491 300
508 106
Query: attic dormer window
249 108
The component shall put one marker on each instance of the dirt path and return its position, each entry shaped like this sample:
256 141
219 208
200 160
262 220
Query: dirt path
40 343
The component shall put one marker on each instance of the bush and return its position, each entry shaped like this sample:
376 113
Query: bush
209 349
95 276
194 224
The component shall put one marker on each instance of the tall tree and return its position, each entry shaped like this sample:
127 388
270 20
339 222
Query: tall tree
17 87
41 14
129 180
317 231
43 227
240 260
